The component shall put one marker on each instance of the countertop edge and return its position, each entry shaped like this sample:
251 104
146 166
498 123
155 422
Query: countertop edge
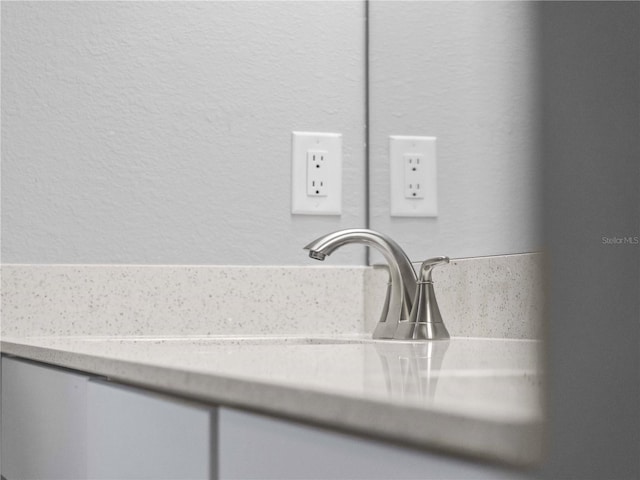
448 433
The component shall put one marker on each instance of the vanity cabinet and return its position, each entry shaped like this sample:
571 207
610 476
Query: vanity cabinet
132 434
44 417
259 447
62 424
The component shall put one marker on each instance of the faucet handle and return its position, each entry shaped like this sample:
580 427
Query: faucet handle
425 321
427 267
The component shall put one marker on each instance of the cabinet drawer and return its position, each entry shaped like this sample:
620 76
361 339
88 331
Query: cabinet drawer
134 434
257 447
44 414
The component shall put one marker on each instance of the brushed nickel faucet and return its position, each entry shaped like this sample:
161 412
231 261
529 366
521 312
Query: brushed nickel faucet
404 292
425 321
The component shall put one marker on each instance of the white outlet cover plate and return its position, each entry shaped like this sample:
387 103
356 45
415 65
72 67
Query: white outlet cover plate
401 204
331 202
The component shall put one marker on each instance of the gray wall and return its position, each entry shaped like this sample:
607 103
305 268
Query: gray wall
160 132
464 72
590 93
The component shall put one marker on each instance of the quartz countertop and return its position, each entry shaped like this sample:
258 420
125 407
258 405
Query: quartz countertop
479 397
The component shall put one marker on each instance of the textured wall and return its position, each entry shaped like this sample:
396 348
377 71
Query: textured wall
160 132
464 72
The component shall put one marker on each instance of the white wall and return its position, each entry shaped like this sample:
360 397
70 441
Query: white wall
159 132
464 72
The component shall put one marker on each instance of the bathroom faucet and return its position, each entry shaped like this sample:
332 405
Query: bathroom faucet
425 321
403 288
401 274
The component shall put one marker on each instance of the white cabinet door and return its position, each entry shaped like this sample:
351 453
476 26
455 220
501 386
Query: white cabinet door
43 421
133 434
257 447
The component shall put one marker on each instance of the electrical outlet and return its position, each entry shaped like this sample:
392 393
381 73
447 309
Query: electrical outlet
413 176
317 167
316 173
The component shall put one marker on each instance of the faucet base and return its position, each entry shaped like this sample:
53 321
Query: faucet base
421 331
384 330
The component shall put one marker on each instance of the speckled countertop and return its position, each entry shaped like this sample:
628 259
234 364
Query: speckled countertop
478 394
473 396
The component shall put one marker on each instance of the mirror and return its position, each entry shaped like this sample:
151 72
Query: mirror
464 72
164 128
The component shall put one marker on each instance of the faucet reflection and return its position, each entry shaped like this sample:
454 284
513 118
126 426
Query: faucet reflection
409 368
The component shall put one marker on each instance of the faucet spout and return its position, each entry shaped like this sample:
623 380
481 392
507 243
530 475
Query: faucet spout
403 280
